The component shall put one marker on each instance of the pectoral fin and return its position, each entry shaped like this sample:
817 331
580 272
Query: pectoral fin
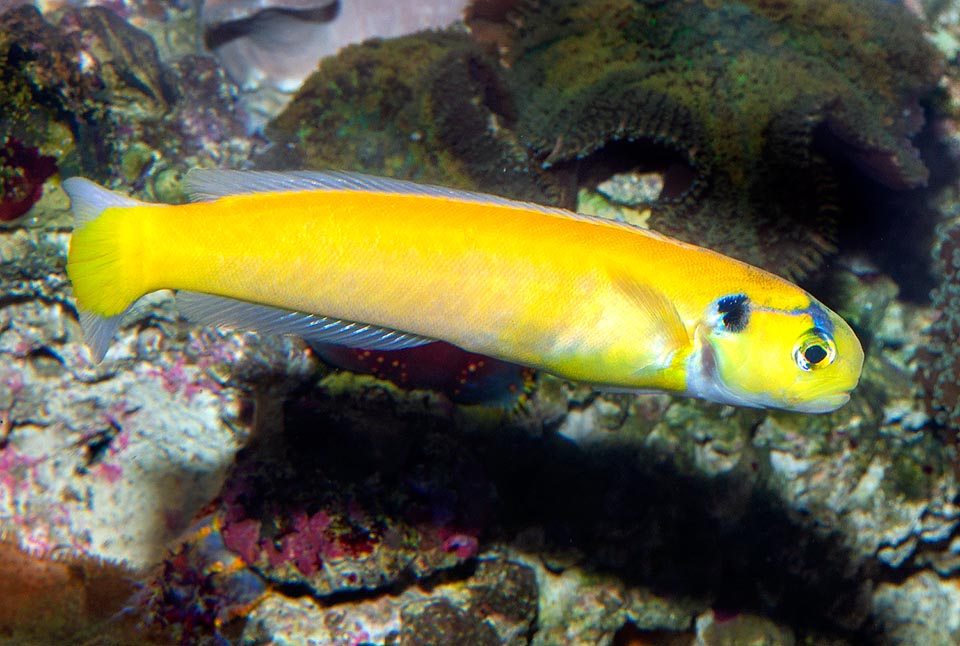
659 325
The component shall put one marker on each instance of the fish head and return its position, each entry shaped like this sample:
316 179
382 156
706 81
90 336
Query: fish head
801 359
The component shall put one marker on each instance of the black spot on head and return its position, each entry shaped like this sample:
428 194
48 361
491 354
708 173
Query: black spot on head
734 312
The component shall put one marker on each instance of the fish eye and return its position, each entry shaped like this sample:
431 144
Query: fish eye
814 350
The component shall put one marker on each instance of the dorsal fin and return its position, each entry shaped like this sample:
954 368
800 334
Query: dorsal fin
206 184
88 200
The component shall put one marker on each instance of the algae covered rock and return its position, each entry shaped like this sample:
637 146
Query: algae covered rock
753 97
751 111
940 365
90 89
430 107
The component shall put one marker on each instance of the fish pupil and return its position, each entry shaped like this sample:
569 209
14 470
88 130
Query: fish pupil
815 354
734 312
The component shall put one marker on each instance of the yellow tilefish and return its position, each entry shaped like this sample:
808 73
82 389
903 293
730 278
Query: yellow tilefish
381 264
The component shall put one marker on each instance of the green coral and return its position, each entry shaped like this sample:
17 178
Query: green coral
428 107
757 99
363 109
742 91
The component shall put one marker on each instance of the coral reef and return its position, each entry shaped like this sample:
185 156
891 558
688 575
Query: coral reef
347 538
923 609
940 363
400 514
751 96
200 591
429 108
80 446
83 449
751 111
403 497
497 603
92 89
45 94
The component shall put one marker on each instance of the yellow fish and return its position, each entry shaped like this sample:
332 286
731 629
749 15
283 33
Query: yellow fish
379 264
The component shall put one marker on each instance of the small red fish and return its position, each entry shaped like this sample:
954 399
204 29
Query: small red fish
464 377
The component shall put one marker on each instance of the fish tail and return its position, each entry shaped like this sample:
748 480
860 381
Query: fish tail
104 263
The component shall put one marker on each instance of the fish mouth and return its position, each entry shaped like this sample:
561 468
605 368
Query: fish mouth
822 404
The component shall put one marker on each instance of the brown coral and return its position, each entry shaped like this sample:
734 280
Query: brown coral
50 599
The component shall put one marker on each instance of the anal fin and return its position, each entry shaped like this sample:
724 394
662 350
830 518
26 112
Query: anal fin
220 311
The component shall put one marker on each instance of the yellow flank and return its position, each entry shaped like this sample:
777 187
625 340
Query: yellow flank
585 299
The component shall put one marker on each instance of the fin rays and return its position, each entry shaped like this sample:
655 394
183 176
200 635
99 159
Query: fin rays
212 184
218 311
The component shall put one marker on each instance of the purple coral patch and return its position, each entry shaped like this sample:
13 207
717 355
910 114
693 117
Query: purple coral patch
243 538
305 542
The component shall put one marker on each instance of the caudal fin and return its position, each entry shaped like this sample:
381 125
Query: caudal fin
103 270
